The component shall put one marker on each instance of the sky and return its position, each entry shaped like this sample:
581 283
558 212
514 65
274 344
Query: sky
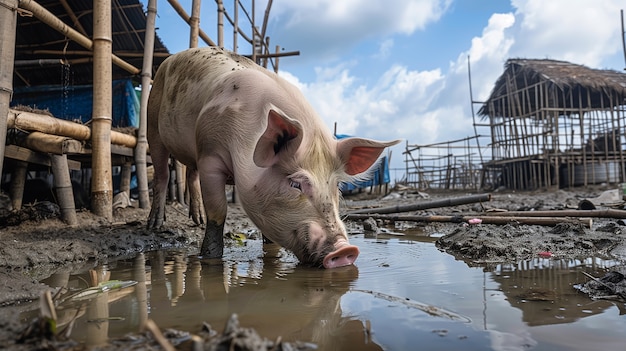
398 69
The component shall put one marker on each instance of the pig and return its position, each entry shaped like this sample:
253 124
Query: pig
231 121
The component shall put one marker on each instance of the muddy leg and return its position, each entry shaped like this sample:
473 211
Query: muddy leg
213 243
213 184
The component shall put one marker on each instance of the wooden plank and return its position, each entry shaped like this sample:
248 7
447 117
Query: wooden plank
23 154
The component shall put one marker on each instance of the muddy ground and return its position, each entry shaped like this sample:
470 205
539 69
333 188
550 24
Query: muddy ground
33 247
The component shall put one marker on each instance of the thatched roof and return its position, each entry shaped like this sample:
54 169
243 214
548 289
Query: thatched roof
561 78
37 41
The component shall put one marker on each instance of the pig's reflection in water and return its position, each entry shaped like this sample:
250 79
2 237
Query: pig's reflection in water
276 298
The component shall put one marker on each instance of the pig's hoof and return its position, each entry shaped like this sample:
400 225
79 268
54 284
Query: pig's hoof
211 251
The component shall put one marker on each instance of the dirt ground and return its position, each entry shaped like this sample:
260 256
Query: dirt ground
33 247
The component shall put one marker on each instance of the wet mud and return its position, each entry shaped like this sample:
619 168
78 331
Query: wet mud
33 247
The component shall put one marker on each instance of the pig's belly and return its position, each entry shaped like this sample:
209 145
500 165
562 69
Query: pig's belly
182 152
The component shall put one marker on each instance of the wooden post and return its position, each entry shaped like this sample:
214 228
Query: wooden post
63 188
181 12
146 76
236 25
220 23
276 60
194 24
18 179
125 176
8 23
101 184
254 35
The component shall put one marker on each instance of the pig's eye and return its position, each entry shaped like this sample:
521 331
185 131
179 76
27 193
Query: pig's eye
295 185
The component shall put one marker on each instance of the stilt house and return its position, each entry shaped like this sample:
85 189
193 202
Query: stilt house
555 124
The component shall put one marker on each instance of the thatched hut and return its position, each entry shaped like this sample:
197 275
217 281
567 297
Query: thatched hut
556 124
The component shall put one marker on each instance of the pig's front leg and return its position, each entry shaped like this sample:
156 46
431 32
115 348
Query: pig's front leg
213 182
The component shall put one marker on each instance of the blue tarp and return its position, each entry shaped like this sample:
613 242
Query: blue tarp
379 174
75 102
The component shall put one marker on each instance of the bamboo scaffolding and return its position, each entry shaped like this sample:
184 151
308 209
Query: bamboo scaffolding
183 14
500 220
194 24
47 143
18 179
141 149
425 205
63 188
31 121
102 181
48 18
8 23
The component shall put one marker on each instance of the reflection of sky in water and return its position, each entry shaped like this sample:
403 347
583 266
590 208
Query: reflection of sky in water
419 271
403 294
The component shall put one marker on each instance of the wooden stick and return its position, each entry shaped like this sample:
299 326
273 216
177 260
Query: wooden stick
548 221
425 205
607 213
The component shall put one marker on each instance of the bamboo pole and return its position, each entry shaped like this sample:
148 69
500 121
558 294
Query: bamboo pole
63 188
194 24
102 182
220 23
276 61
75 21
48 143
141 149
48 18
501 220
235 25
183 14
125 177
425 205
607 213
254 33
31 121
8 23
18 180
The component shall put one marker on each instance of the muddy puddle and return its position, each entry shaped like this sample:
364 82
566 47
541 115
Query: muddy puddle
403 294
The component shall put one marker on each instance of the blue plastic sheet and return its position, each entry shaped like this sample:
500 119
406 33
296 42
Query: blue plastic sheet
75 102
379 175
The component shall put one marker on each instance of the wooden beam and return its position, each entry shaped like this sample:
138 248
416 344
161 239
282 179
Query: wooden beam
23 154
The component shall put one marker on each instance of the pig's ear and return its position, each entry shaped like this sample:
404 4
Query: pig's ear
359 154
280 139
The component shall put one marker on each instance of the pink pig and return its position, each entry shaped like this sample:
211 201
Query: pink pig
232 122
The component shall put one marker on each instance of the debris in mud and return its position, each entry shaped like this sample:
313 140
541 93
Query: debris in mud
37 211
514 242
612 286
41 333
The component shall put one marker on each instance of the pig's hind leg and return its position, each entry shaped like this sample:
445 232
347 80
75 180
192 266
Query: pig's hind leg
160 157
196 211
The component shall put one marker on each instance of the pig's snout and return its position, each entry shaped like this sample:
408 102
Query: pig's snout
343 256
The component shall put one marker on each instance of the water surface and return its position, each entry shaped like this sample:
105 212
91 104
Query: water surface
403 294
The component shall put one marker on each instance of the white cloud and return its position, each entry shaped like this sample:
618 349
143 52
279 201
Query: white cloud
384 49
579 31
428 106
323 28
396 106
